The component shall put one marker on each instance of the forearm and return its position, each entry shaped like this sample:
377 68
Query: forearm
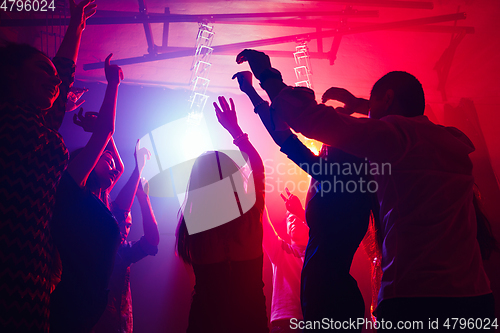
111 147
301 214
378 140
125 198
256 164
246 147
303 157
148 220
106 119
66 70
363 106
70 44
254 97
273 87
270 241
264 113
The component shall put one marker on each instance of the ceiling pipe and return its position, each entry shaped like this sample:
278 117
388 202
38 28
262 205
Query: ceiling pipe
284 39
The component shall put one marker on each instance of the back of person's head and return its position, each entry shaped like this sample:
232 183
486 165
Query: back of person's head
209 168
12 58
408 93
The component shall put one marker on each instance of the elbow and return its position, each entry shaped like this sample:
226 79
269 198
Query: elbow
109 130
106 131
153 240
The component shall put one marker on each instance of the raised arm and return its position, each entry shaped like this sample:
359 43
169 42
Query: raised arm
125 198
293 205
271 242
65 59
377 140
260 64
289 143
352 104
261 107
149 224
71 42
227 118
111 148
102 129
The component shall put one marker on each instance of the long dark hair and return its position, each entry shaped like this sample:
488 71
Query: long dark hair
92 183
204 173
12 57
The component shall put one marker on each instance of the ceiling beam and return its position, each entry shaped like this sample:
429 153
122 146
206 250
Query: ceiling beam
285 39
382 3
136 18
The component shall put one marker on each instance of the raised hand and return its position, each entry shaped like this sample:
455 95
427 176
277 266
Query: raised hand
81 12
141 155
87 122
293 204
114 74
258 61
74 96
351 103
227 116
245 81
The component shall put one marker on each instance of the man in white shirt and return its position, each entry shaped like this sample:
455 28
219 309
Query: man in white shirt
431 262
287 258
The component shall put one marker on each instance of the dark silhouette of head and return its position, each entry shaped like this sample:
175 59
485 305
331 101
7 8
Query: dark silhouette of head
208 168
397 93
28 75
99 181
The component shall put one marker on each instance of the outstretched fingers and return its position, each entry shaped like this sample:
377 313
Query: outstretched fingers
223 103
232 104
218 111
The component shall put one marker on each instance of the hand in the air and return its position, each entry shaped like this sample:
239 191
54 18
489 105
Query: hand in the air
292 203
74 97
114 73
227 116
87 122
245 81
141 155
81 12
351 102
258 61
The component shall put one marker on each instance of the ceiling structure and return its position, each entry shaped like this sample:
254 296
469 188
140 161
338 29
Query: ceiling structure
452 46
360 35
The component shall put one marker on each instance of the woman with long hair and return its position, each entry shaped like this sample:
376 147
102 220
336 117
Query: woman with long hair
85 231
223 243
